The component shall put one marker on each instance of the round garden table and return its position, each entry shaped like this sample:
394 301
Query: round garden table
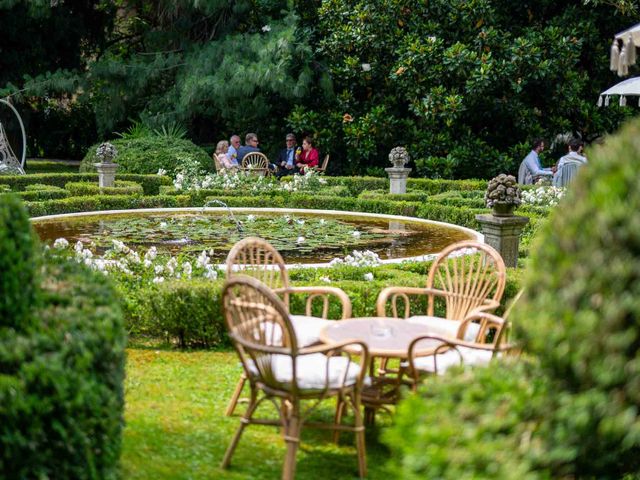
386 338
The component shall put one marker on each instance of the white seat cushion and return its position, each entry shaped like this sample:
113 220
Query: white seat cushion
307 330
444 327
315 371
450 358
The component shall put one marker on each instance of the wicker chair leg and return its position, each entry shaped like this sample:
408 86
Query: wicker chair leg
244 421
360 440
341 407
236 395
292 438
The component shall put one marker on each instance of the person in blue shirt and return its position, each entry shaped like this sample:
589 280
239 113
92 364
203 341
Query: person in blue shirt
287 157
232 153
530 170
250 145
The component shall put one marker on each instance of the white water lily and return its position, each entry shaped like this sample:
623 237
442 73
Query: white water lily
203 260
211 272
300 222
300 239
163 224
61 243
356 234
251 218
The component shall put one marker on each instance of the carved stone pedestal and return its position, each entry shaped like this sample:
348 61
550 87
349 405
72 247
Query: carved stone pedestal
398 179
503 234
106 174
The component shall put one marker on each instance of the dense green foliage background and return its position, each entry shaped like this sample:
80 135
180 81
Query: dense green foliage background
465 84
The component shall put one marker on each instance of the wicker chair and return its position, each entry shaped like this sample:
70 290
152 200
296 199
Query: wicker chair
325 163
490 341
466 277
255 163
217 164
281 371
259 259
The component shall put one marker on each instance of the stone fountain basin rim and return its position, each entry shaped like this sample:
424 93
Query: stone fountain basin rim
420 258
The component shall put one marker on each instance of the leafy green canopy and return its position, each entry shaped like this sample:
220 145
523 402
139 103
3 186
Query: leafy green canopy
465 84
570 408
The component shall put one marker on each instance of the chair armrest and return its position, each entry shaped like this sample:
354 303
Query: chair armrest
324 293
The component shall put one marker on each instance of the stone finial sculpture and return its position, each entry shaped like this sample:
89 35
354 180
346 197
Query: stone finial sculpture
399 157
106 152
503 195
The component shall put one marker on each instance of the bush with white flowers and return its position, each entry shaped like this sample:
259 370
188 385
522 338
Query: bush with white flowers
543 196
358 259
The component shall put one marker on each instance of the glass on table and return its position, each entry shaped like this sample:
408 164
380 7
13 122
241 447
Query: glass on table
381 329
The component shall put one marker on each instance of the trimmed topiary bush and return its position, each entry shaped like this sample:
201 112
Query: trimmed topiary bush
61 388
146 155
582 314
19 263
572 411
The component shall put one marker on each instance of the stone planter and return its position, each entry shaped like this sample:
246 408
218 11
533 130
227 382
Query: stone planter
503 209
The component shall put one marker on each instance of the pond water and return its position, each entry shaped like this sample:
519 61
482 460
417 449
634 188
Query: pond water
301 237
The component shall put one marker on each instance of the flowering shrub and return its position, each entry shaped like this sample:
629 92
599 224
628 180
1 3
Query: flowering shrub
543 196
190 176
358 259
149 268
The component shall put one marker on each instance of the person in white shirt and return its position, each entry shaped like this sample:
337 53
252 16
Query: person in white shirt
569 165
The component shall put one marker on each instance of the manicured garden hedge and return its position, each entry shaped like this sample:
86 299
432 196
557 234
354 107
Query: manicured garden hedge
150 183
187 312
104 202
62 370
121 187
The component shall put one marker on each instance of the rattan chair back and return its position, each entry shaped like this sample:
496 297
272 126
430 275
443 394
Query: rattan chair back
470 273
259 327
256 162
257 258
325 164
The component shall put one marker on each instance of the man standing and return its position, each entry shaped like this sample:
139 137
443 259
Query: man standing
530 170
232 153
569 165
250 145
286 157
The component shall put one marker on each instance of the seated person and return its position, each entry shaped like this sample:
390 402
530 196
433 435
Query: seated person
250 145
287 157
309 157
234 142
530 170
222 155
569 165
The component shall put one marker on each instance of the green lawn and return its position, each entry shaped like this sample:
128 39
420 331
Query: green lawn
176 428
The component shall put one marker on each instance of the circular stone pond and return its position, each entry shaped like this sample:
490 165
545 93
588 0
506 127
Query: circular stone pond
302 236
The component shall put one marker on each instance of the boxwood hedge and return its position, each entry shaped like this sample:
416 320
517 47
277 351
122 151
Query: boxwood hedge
61 379
121 187
150 183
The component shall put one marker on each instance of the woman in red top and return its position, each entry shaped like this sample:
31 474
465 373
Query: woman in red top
309 156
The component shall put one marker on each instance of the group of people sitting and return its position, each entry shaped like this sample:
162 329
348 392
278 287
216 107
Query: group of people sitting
291 159
561 174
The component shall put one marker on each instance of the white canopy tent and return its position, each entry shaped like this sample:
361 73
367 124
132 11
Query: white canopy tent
627 88
623 50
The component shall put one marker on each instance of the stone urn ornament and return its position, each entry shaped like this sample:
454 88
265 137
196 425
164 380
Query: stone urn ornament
106 153
399 157
398 174
503 195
